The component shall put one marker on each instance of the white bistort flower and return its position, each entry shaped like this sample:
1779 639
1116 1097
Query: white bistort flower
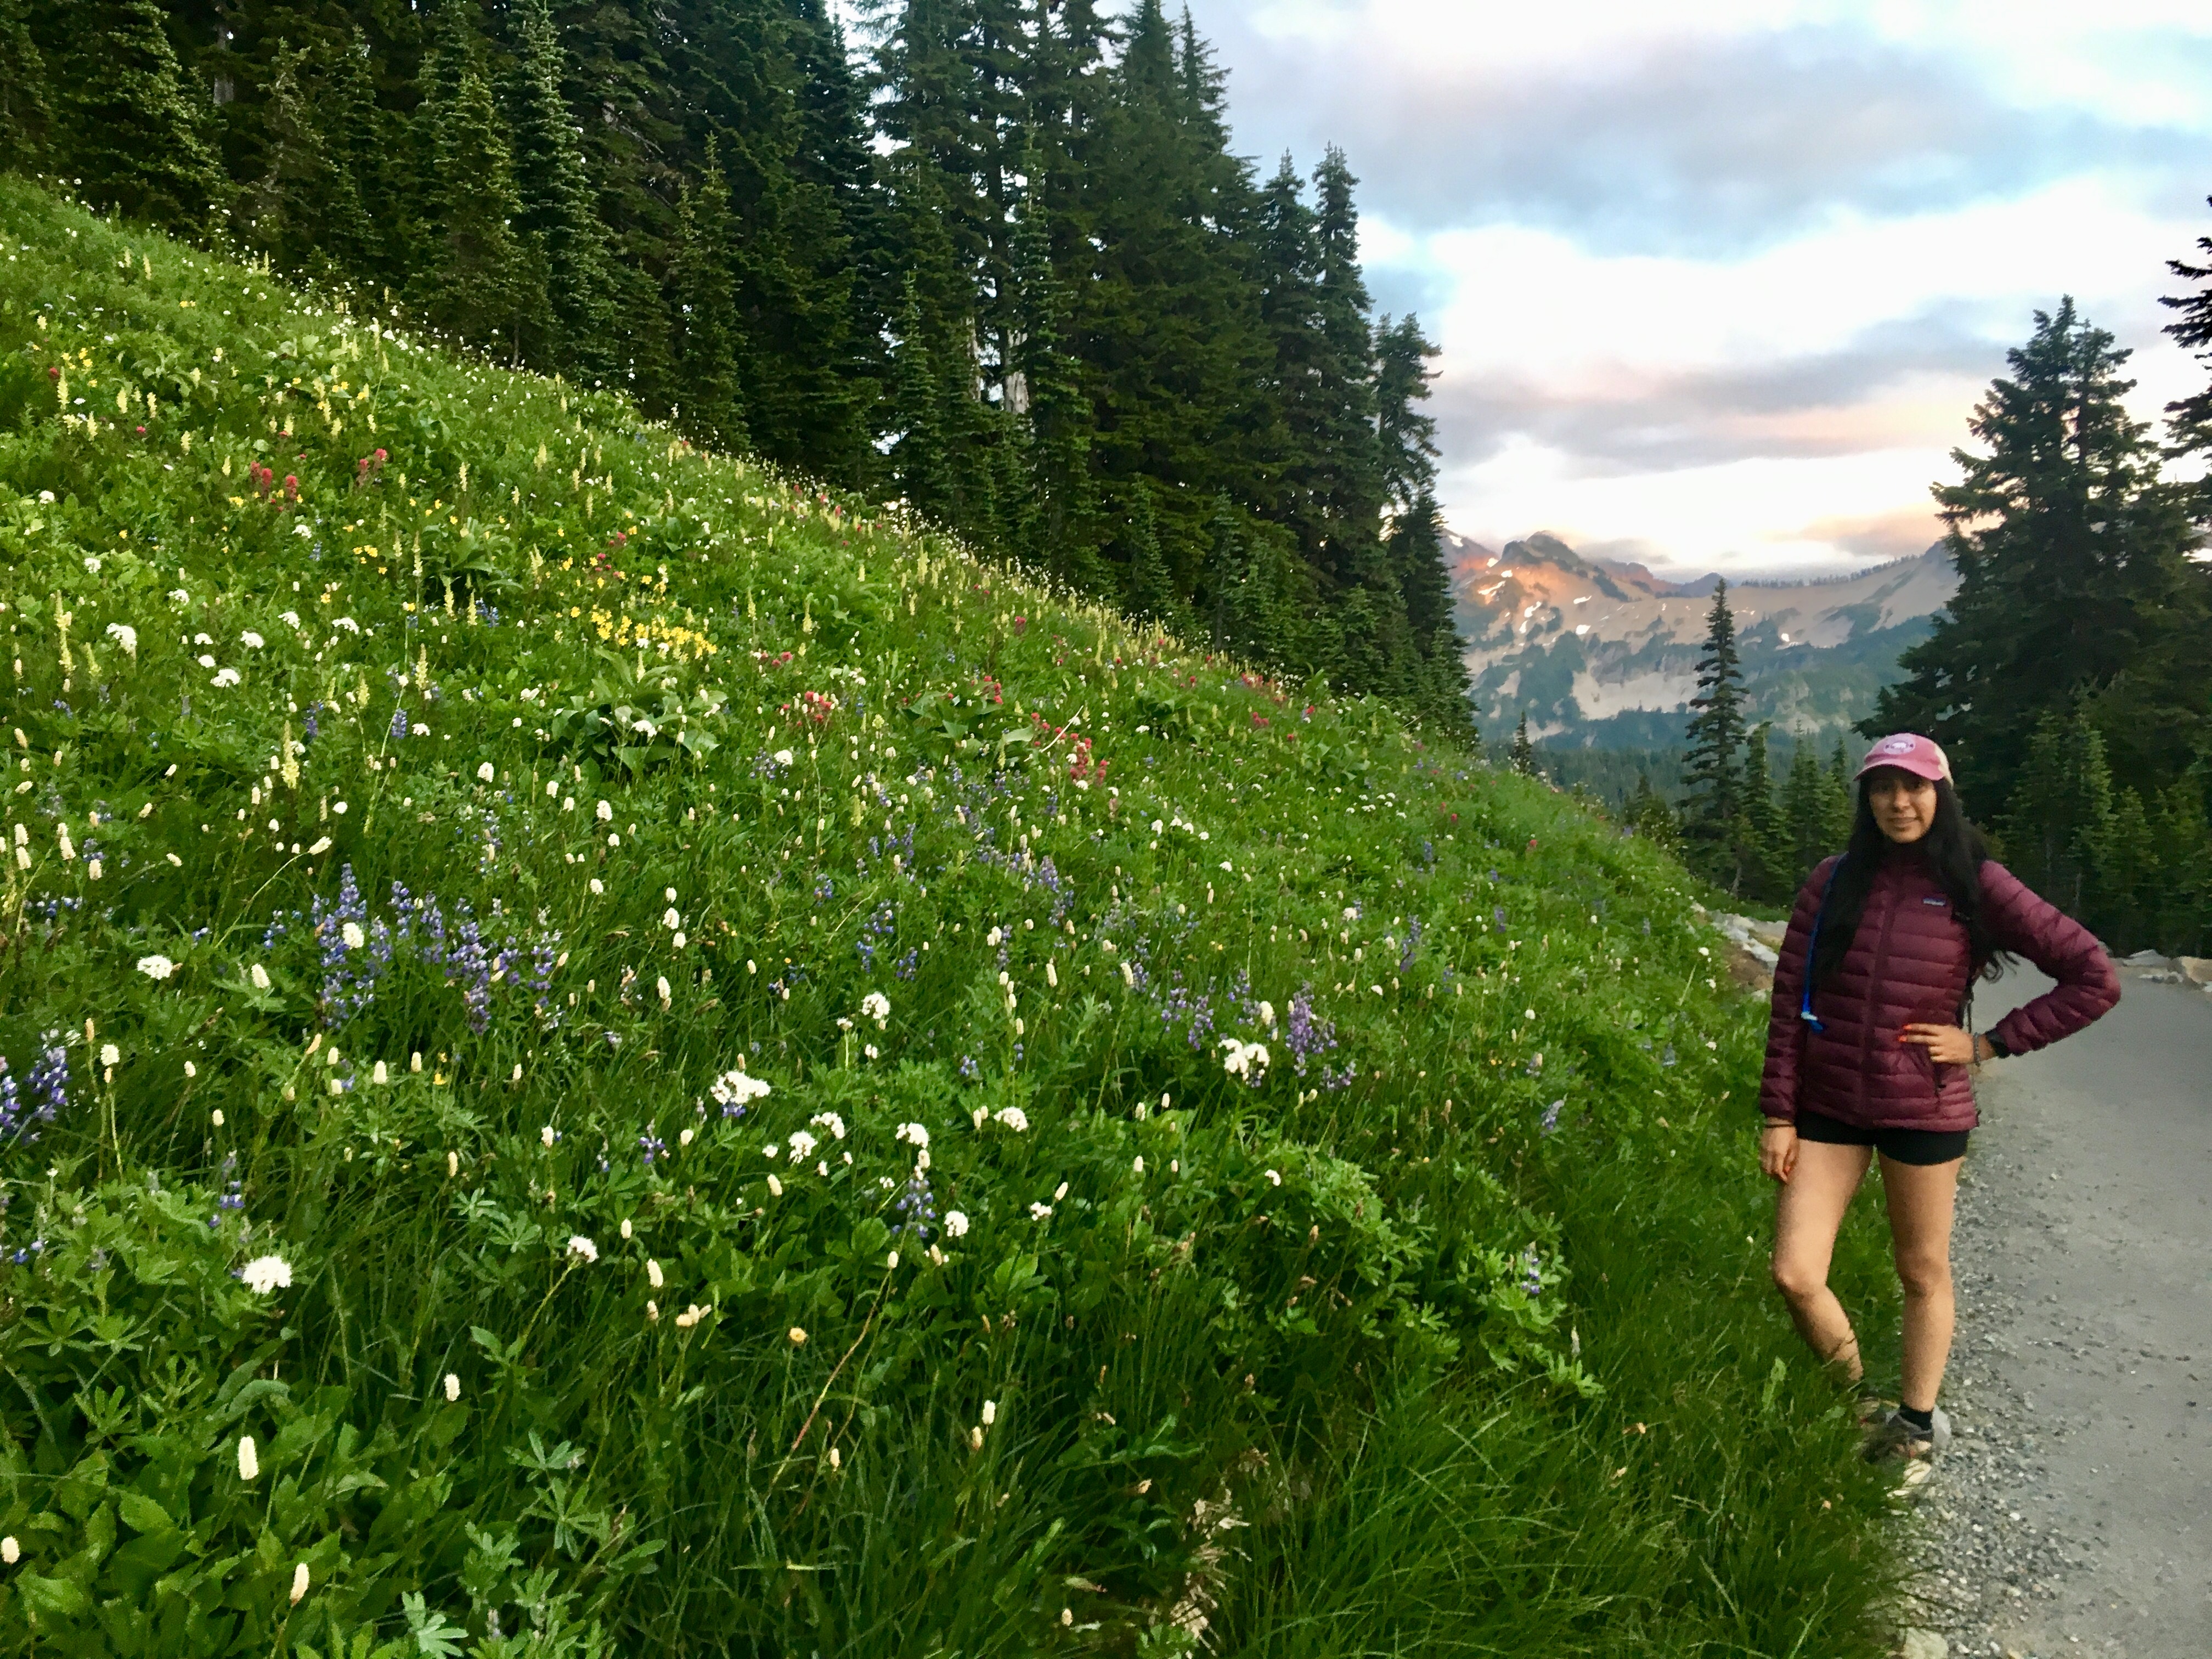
1245 1061
580 1246
736 1089
157 967
354 937
914 1133
956 1223
260 976
606 812
265 1274
486 772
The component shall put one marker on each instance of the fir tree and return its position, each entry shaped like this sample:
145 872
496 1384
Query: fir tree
711 405
1406 432
1151 591
289 203
26 117
918 455
2190 419
1838 798
1805 814
1521 757
1713 819
2075 578
128 129
1762 833
483 288
360 237
1416 547
1650 817
1046 392
558 222
2061 814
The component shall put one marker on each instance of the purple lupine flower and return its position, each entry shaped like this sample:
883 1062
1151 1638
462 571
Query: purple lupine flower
48 1081
1551 1122
1413 943
917 1208
1306 1036
652 1147
11 1106
399 725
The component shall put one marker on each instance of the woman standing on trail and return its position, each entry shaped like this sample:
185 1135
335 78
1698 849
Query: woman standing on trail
1866 1053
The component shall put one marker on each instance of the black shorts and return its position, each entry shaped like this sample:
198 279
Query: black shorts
1898 1146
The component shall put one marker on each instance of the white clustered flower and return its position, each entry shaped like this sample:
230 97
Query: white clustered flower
737 1088
353 936
124 636
606 812
225 677
205 661
1246 1061
1040 1212
1352 913
580 1246
547 1135
252 641
653 1273
453 1388
956 1223
913 1133
993 937
1266 1016
265 1274
802 1145
157 967
877 1006
110 1055
783 757
1273 1180
670 920
10 1551
1013 1117
830 1120
486 772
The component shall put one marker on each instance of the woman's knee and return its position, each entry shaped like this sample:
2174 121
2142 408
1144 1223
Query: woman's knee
1924 1274
1797 1278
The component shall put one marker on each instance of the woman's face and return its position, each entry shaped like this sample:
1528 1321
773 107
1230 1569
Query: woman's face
1904 804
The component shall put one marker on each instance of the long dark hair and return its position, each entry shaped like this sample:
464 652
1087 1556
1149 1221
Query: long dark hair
1955 853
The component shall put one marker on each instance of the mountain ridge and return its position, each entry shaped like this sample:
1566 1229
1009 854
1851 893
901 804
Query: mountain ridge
1602 654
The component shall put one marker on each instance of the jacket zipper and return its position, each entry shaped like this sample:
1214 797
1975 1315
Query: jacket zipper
1880 977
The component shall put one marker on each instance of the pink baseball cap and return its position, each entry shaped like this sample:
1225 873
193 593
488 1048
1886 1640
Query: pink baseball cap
1908 751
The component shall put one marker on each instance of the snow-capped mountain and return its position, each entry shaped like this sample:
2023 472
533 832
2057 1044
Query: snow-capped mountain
1604 654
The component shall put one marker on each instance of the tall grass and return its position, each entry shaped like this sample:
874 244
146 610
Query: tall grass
623 780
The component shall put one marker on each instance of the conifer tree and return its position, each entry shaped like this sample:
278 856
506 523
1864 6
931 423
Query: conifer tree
1521 757
1045 391
2060 822
558 223
1714 816
2074 577
360 238
289 203
2190 419
918 456
484 287
1649 817
26 116
1762 822
127 126
1838 798
1804 814
711 405
1416 547
1151 590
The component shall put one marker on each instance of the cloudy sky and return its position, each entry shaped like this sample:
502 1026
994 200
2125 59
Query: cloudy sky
1718 281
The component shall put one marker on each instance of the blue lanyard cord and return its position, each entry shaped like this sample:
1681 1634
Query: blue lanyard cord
1805 1003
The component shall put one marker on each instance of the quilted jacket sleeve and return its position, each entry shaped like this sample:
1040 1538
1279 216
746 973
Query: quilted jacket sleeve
1785 1030
2031 927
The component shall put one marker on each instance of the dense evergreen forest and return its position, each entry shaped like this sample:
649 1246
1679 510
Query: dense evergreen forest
993 258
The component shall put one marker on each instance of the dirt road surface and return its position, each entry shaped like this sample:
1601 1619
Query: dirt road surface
2074 1514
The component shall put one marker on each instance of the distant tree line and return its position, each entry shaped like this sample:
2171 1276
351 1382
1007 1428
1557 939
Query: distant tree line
1000 264
2070 677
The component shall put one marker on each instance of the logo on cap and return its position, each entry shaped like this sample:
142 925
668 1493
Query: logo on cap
1899 746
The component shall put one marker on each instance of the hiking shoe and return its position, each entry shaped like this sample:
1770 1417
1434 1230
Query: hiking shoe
1892 1437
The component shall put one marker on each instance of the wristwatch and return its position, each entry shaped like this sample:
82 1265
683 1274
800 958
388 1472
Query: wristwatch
1997 1050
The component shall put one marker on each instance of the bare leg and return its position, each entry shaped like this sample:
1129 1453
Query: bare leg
1921 1197
1805 1217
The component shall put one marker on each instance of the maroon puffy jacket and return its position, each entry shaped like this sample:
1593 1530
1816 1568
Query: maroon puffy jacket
1907 965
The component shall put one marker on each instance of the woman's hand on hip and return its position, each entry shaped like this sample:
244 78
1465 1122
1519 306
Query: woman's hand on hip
1946 1045
1777 1149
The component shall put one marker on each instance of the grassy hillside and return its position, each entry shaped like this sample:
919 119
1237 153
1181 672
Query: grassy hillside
805 1095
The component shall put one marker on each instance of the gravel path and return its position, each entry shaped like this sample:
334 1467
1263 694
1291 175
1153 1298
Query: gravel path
2073 1512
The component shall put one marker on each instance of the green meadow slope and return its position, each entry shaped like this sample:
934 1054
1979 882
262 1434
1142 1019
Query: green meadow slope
606 1055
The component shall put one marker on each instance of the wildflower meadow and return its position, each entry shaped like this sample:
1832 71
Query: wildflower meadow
602 1052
